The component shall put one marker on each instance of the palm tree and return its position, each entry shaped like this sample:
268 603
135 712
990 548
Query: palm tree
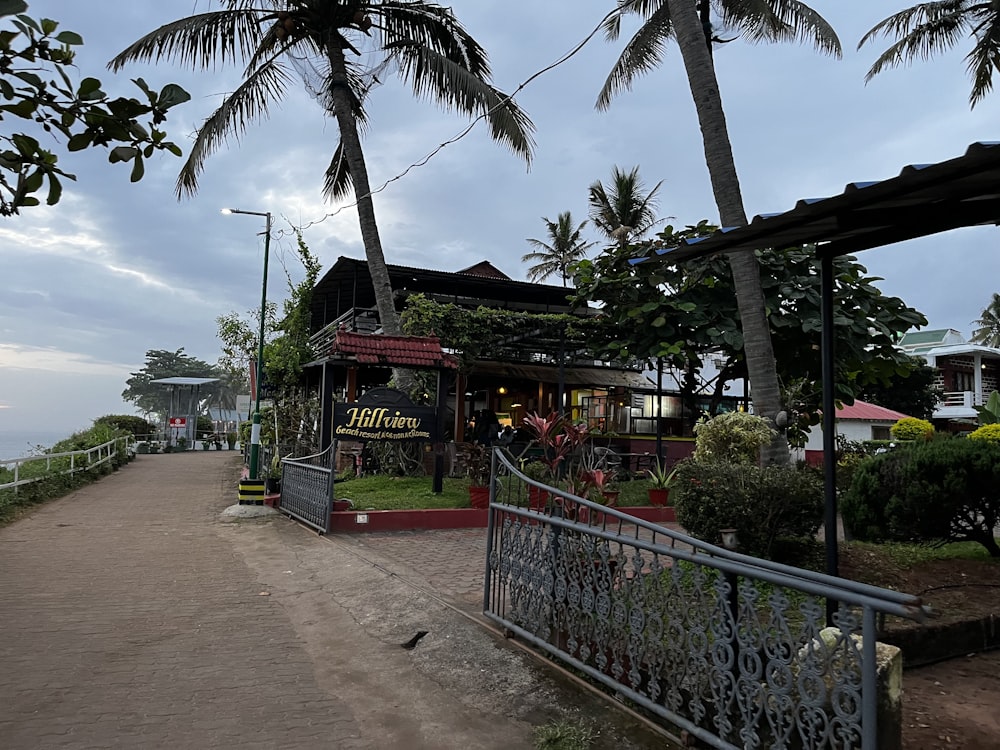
564 248
688 22
424 43
929 28
987 330
623 212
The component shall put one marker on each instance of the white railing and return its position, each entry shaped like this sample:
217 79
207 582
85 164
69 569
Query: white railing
957 398
78 461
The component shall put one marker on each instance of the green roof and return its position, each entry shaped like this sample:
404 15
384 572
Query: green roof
916 338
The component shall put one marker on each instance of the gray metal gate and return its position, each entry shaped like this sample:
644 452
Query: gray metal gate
733 649
307 488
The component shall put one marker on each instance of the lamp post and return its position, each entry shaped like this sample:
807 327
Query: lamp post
254 468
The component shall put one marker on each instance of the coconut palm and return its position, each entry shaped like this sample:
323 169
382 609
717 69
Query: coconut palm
565 247
929 28
624 211
323 41
688 23
987 331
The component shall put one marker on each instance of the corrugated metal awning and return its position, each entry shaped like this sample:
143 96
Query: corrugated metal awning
923 199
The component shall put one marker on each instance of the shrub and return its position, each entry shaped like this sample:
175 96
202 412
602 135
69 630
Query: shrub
127 423
939 491
911 428
735 436
988 432
762 504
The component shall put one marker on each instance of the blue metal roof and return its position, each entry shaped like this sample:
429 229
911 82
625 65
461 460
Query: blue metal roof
922 199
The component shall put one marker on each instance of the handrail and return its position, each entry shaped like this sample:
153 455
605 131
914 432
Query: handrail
111 446
912 604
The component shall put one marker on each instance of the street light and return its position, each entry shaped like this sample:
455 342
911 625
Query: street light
255 430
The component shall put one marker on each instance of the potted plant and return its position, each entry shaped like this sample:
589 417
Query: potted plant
659 483
272 476
539 472
231 440
205 444
480 465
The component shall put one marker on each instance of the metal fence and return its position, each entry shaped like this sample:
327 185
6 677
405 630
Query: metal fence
29 469
734 650
307 488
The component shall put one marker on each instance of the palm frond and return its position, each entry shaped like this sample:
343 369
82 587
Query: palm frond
434 27
644 52
249 102
780 21
920 32
337 181
201 41
984 58
452 86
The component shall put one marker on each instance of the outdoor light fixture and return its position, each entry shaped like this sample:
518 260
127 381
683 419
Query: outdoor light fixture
729 540
254 468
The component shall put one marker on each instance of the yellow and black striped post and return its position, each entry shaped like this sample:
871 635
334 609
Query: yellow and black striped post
251 492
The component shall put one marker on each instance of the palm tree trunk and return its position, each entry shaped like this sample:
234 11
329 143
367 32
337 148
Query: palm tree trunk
351 142
726 187
355 156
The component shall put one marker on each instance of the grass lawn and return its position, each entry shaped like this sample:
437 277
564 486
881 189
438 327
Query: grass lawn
379 492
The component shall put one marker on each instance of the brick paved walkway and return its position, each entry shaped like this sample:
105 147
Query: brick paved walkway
127 623
134 617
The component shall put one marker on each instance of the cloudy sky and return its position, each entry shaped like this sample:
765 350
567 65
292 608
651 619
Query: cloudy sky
116 269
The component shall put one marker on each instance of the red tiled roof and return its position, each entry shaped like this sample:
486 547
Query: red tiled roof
868 412
405 351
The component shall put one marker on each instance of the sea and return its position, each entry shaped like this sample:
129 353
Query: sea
17 444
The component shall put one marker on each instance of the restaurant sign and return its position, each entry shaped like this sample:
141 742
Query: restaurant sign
384 419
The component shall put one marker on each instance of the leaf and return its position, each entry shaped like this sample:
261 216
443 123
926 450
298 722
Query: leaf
172 95
69 37
55 190
33 181
12 7
122 153
90 88
138 169
48 26
79 142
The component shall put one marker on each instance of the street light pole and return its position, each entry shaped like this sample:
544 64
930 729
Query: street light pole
254 468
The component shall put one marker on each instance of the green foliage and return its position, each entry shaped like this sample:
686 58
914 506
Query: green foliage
735 437
988 432
660 478
204 426
52 477
909 389
688 312
989 413
472 333
934 491
154 398
286 350
564 735
127 423
383 492
762 504
911 428
83 114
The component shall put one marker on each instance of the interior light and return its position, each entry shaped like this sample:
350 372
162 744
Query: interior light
501 390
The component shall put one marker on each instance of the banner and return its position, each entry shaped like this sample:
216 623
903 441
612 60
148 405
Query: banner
355 421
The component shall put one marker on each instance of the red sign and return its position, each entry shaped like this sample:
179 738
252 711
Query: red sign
178 421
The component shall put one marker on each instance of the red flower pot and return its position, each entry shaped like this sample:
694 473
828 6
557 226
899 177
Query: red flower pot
658 496
479 497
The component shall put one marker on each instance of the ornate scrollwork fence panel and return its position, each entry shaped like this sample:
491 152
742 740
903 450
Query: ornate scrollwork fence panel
307 488
733 649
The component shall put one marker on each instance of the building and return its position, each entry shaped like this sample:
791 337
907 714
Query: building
966 373
520 374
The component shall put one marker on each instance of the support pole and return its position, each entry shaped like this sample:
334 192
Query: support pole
829 426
